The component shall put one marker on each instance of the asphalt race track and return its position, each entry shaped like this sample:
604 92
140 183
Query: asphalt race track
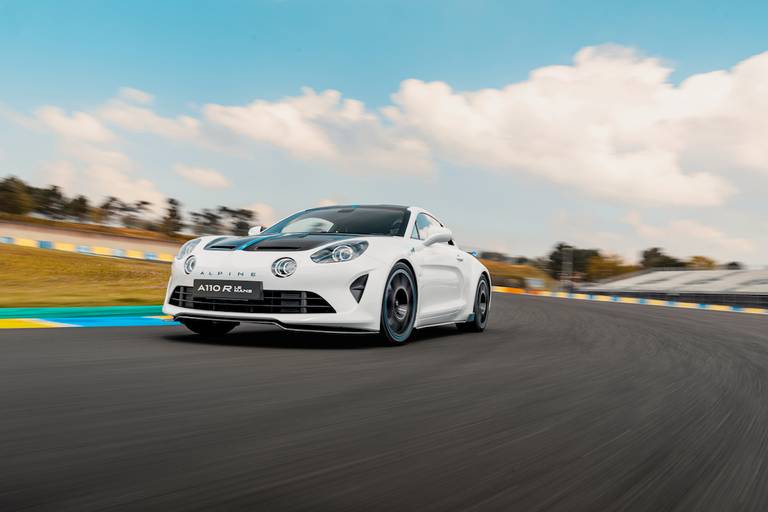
559 405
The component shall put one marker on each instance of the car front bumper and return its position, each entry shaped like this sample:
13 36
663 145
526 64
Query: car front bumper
331 281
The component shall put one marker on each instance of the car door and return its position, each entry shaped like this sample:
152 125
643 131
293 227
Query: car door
439 273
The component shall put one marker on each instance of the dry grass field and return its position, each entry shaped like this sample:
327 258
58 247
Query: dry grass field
42 277
96 229
507 274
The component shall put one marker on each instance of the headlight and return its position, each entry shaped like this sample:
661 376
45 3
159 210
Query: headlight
284 267
340 252
187 248
189 265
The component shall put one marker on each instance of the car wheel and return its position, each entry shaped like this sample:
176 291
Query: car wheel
481 310
209 327
398 306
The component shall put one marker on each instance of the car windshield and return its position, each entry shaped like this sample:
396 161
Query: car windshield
354 220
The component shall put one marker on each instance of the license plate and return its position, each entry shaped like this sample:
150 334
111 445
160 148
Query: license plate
220 289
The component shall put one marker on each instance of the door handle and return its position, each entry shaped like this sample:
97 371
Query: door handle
459 257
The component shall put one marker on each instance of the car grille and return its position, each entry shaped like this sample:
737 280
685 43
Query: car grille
275 301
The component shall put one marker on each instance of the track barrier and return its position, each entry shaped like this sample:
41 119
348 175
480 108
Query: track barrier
93 250
631 300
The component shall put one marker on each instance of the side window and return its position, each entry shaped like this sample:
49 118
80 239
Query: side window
425 226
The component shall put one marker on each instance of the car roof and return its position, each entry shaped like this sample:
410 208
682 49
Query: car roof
413 209
397 206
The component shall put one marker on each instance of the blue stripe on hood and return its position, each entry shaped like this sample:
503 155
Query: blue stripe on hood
255 240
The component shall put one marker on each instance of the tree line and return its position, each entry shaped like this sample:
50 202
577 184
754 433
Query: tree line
595 265
20 198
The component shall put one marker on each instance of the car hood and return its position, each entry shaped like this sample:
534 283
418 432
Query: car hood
279 242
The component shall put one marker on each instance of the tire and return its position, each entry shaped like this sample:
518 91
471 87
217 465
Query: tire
209 327
481 309
398 305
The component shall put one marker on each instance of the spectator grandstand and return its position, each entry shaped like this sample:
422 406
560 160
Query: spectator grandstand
747 288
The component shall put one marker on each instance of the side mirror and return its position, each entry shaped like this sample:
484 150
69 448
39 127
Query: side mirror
441 235
255 230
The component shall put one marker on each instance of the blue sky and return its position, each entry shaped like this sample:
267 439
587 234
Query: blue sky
208 62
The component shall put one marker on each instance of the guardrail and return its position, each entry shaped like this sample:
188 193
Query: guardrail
744 300
93 250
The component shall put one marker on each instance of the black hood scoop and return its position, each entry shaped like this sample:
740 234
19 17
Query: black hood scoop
227 243
294 242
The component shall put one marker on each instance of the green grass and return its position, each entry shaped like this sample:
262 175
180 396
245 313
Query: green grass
43 277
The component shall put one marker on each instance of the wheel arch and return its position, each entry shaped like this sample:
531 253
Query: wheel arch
487 275
415 274
408 264
477 271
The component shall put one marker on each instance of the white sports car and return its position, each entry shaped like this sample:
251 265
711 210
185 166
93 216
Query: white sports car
360 269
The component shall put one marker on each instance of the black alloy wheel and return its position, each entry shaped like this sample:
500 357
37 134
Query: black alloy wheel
398 308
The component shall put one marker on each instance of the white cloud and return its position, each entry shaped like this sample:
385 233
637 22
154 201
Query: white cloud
104 181
62 174
98 172
610 124
88 161
135 95
207 178
142 119
690 237
27 122
97 155
78 126
265 214
323 127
